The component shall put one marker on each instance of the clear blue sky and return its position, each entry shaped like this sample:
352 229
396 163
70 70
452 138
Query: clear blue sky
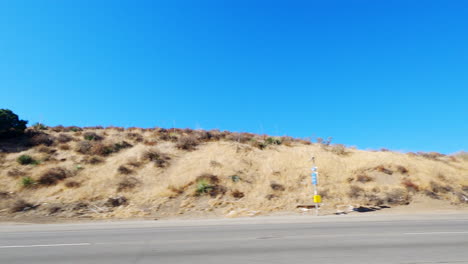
369 73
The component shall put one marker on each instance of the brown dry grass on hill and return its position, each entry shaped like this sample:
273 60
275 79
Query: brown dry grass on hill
170 172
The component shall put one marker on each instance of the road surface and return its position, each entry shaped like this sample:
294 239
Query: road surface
306 239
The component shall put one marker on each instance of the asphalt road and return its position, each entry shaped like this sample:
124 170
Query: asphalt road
335 239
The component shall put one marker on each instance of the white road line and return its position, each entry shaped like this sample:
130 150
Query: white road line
46 245
438 233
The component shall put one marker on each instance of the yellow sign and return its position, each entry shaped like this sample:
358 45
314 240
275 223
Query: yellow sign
317 199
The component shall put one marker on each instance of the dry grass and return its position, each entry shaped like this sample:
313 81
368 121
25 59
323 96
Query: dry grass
230 174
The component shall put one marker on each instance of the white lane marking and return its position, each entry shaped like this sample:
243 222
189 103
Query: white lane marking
47 245
438 233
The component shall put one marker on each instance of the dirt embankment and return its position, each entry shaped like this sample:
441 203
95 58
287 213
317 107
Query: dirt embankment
75 173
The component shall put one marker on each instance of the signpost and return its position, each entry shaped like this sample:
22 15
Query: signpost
317 198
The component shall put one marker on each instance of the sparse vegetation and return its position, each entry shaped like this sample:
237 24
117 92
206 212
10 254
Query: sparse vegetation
127 184
27 182
338 149
39 126
124 170
381 168
204 186
237 194
209 184
187 143
160 159
41 139
26 160
410 186
64 138
248 176
277 186
91 136
53 176
72 184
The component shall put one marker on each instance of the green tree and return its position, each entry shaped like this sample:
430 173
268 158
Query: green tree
10 124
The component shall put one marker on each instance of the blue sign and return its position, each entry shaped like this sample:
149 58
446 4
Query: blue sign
314 178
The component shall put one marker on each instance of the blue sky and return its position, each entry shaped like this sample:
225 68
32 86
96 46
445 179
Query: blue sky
367 73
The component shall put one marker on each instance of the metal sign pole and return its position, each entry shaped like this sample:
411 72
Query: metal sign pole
317 198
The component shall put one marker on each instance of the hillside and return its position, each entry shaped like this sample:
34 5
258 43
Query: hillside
71 172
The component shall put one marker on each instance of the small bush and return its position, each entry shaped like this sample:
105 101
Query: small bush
136 137
72 129
124 170
273 141
39 126
64 147
93 160
41 139
410 186
287 141
356 192
64 138
84 147
47 150
338 149
324 142
438 188
237 194
91 136
53 176
431 155
127 184
26 160
277 186
58 128
241 137
187 143
381 168
99 148
397 197
209 184
27 182
204 186
235 178
271 196
160 159
402 170
72 184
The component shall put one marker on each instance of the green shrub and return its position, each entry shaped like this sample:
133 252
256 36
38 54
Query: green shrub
273 141
92 136
26 160
39 126
204 186
10 124
27 182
